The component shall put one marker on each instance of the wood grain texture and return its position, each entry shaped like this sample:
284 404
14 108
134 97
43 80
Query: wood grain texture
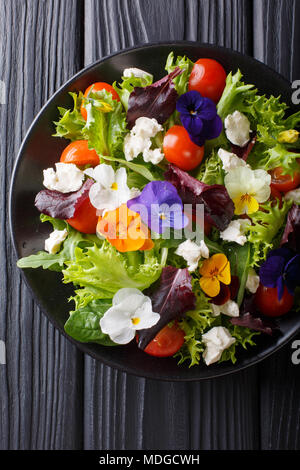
125 412
277 43
40 387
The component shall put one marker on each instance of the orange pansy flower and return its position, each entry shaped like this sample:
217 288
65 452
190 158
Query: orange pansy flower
124 229
213 271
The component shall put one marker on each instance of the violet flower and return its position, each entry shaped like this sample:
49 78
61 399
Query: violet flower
281 268
160 207
199 117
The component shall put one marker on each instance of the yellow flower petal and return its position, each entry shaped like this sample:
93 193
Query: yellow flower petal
210 285
245 204
289 137
225 275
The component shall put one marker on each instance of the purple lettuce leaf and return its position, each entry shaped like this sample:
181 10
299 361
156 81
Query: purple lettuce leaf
154 101
62 205
291 234
218 207
250 318
243 152
173 296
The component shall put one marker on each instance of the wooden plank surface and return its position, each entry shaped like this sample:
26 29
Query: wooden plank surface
128 412
50 396
40 386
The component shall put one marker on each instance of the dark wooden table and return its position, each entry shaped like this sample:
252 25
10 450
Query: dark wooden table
51 395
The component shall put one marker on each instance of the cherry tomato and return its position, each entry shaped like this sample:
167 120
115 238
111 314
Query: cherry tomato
85 218
167 342
209 78
180 150
284 183
98 86
77 152
266 299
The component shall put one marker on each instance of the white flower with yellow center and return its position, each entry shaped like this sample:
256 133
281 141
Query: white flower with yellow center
247 188
110 190
131 310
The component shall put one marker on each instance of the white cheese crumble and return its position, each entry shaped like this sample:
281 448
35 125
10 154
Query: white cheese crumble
217 339
252 281
66 179
230 160
235 232
139 141
52 244
237 128
135 72
293 195
230 308
192 253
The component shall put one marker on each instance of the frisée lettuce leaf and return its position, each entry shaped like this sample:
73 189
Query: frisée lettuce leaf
71 123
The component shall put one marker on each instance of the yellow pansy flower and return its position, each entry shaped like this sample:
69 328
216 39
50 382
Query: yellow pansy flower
288 137
247 188
213 271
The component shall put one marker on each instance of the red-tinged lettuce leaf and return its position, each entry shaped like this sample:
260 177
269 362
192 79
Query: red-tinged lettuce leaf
62 205
291 234
250 318
243 152
218 207
154 101
173 296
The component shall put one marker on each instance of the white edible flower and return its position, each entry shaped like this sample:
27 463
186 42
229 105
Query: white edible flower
235 232
217 339
230 160
293 195
66 179
52 244
237 128
247 188
135 72
139 141
110 190
252 281
131 310
230 308
192 253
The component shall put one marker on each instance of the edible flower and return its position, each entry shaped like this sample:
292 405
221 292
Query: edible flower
247 188
131 310
160 206
124 230
281 268
214 271
199 117
288 137
110 190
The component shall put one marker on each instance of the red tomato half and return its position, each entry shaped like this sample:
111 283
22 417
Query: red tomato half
209 78
85 218
98 86
77 152
180 150
284 183
266 299
167 342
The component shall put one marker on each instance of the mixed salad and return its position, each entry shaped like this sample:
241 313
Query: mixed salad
175 212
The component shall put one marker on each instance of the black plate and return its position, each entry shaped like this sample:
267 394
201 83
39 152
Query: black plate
40 150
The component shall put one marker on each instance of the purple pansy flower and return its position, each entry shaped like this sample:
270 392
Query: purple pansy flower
281 268
160 206
199 117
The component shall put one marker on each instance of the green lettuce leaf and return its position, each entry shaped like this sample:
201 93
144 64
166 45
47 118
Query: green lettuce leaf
105 127
84 323
266 224
102 270
56 262
181 82
71 123
128 84
240 260
243 336
211 170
